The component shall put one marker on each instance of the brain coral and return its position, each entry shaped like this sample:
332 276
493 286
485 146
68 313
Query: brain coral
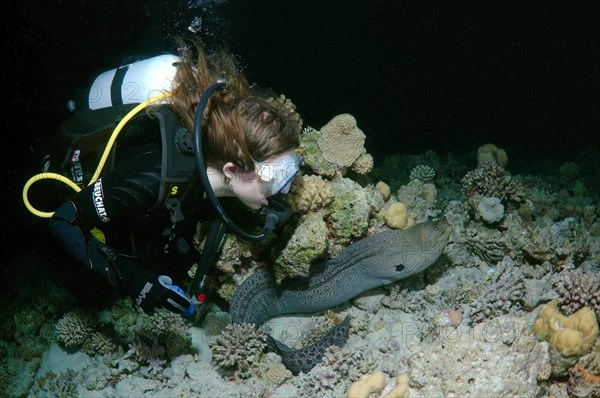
341 141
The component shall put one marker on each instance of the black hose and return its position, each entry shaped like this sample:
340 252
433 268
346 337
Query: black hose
201 164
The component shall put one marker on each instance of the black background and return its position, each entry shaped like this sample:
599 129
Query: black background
417 75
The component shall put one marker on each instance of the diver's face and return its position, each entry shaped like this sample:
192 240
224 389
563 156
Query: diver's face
271 177
249 189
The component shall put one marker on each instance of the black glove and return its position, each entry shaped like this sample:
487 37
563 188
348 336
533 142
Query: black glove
150 290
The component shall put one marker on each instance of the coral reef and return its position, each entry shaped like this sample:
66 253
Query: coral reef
308 243
74 328
571 335
309 193
396 216
239 349
490 209
576 289
422 172
462 328
490 153
490 179
504 294
341 141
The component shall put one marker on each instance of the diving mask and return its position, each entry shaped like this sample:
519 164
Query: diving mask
279 172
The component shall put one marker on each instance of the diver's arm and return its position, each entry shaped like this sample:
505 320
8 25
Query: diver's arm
112 199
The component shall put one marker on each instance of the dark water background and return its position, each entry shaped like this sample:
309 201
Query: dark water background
417 75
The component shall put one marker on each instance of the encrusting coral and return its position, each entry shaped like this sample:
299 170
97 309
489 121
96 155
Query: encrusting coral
374 383
572 335
341 141
308 242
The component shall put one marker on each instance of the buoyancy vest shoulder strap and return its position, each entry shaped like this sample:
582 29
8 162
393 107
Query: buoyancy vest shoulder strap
178 164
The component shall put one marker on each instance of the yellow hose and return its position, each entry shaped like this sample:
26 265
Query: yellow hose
109 145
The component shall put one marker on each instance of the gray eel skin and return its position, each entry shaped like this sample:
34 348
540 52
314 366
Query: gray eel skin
372 262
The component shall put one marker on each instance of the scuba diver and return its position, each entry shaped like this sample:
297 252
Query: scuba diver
217 137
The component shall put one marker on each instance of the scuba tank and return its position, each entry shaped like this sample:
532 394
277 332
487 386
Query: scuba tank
133 83
84 142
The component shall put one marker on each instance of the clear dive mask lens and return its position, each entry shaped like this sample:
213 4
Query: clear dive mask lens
279 172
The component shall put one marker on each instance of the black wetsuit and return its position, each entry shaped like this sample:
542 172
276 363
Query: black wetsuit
125 205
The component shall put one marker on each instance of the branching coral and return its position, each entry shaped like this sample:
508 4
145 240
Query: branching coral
288 108
577 289
168 329
74 328
503 295
99 343
309 193
422 172
490 179
239 348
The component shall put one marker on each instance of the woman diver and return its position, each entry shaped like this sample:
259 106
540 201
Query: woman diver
120 226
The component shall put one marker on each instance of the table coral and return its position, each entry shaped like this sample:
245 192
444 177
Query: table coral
341 141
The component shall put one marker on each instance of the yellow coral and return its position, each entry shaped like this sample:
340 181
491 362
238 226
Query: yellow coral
569 335
341 141
384 189
491 153
396 216
309 193
366 385
363 165
401 389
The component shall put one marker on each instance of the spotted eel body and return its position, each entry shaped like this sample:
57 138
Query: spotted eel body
372 262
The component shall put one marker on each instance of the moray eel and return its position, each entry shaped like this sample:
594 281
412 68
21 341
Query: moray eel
372 262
